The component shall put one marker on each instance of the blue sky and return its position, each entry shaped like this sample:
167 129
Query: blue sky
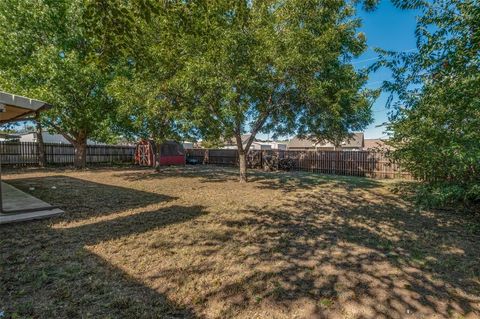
388 28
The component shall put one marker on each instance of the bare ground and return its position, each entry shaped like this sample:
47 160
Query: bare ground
194 243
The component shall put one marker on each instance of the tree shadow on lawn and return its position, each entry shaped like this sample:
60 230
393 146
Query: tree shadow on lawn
326 252
293 181
385 260
84 199
334 255
281 180
49 272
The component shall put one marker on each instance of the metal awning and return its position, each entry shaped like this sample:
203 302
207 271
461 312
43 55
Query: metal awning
17 108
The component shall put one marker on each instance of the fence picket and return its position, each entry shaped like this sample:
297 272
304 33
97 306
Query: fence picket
26 153
354 163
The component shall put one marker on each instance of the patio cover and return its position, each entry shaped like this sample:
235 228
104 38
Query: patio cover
16 108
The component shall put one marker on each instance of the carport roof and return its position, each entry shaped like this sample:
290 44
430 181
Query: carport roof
17 107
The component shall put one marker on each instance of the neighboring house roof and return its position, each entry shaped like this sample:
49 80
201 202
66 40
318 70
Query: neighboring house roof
49 138
297 142
233 140
355 141
375 143
9 136
26 133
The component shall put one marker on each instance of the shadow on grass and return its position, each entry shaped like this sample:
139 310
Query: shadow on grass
293 181
385 261
50 273
281 180
83 199
334 254
334 249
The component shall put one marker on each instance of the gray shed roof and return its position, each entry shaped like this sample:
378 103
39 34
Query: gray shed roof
233 140
15 107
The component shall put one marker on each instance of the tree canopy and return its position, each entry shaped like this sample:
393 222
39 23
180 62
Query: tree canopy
270 66
436 119
215 69
65 52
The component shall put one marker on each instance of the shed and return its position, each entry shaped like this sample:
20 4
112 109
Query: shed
171 153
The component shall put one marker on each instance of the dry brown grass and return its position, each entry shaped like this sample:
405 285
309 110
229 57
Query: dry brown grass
194 243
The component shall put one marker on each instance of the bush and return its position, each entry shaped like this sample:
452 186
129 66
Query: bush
273 163
286 164
435 124
445 195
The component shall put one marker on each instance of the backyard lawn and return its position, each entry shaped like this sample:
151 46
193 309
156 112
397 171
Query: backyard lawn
194 243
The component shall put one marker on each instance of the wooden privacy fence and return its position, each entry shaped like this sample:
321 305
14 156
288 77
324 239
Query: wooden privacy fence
353 163
26 153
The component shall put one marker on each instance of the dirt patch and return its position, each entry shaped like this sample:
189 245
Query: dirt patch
193 242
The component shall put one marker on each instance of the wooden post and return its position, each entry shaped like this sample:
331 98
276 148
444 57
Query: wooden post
206 156
41 146
1 194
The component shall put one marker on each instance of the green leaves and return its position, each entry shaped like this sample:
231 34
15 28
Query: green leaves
67 52
436 132
179 68
279 63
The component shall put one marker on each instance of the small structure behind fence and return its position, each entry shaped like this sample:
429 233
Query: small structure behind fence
26 153
353 163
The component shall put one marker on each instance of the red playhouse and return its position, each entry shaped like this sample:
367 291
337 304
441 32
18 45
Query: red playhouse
171 153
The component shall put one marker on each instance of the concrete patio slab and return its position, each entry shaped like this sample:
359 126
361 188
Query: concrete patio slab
28 206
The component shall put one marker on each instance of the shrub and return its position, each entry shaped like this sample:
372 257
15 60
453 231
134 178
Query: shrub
286 164
435 122
447 195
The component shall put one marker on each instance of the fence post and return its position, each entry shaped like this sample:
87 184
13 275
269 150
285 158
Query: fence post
369 163
206 156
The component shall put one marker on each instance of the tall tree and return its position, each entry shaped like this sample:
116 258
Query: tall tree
65 52
150 106
436 118
272 66
147 113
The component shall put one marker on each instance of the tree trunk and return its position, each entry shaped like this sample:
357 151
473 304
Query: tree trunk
41 146
79 142
242 157
243 166
243 150
80 147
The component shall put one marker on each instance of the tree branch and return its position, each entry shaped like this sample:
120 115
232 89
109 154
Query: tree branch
62 132
258 125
